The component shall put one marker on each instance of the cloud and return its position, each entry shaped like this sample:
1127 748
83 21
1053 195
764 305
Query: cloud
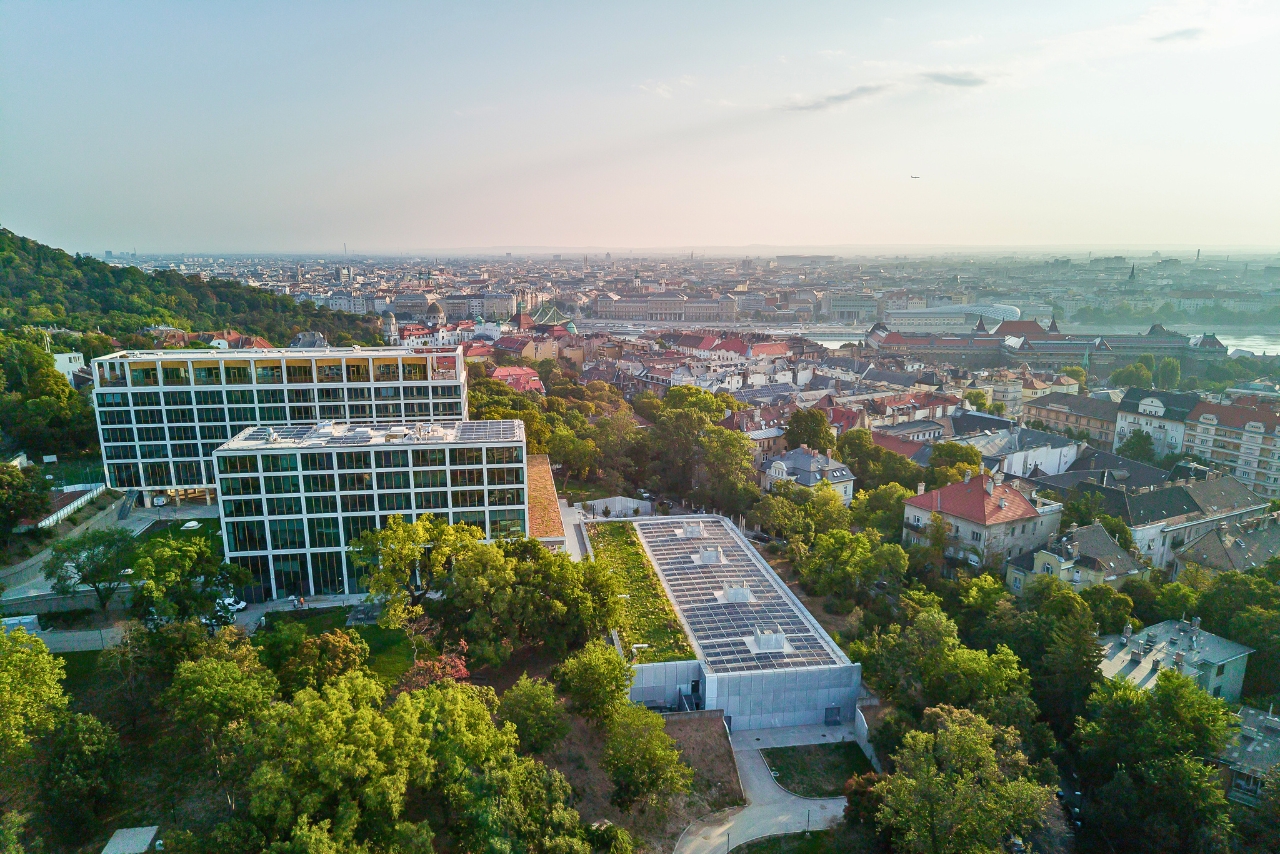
1180 35
662 90
963 78
854 94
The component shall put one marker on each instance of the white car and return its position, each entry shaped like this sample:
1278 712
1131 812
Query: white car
231 603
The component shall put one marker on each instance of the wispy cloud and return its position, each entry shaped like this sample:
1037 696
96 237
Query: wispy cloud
835 100
1188 34
662 90
960 78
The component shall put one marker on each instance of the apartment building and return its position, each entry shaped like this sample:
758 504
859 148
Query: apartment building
1161 414
162 413
294 498
1060 411
1243 438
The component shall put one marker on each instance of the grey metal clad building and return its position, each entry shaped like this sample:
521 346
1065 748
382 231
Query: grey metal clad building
761 657
162 413
294 498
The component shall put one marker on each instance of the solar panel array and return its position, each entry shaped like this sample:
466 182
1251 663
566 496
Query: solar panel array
489 431
720 628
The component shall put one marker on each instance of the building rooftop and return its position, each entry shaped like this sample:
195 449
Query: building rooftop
1176 644
328 434
1240 546
545 522
738 614
970 500
1090 407
1255 747
276 352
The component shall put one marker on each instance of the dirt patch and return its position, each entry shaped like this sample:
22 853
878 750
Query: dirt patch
703 744
536 661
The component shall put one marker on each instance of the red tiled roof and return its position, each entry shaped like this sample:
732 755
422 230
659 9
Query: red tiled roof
904 447
1236 416
970 501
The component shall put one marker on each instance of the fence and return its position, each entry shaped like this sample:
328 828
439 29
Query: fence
93 490
619 507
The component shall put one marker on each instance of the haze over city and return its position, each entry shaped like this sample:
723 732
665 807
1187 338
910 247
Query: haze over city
406 128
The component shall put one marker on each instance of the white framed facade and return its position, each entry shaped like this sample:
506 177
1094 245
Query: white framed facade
162 413
293 499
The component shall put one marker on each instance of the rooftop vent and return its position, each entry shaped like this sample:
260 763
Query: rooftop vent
770 638
691 531
709 556
737 591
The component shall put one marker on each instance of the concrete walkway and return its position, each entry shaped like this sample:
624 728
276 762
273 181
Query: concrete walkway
770 809
254 616
85 640
575 535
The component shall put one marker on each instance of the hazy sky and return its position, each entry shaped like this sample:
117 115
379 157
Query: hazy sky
225 127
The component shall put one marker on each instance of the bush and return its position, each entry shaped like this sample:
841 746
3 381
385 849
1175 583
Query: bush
532 707
642 760
79 771
596 680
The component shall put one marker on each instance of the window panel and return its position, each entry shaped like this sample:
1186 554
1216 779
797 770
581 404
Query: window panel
505 497
466 456
247 536
353 460
280 484
431 479
355 482
393 480
504 456
180 416
177 398
358 503
122 416
240 486
240 396
354 526
287 534
318 482
322 504
238 465
279 462
428 457
181 434
398 459
467 477
325 532
431 500
317 462
239 507
506 477
146 398
291 506
468 498
270 395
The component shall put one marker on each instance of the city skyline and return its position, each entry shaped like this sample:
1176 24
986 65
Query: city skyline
411 130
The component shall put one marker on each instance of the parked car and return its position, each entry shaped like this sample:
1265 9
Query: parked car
231 603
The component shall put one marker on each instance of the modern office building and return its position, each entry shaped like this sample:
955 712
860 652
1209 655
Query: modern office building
293 498
162 413
759 655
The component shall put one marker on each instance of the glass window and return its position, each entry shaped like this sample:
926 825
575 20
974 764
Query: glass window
417 392
357 371
358 503
237 507
176 373
121 452
177 398
113 400
288 534
505 497
149 416
270 395
237 465
388 393
415 409
124 475
279 462
280 484
467 477
505 457
302 395
271 413
431 479
318 482
428 458
360 411
322 504
415 370
395 501
468 498
354 526
331 395
325 532
242 414
213 431
146 398
506 523
444 410
156 474
209 398
211 416
506 477
447 392
466 456
240 396
387 410
114 416
290 572
359 394
393 480
392 459
332 412
151 434
187 474
143 375
237 374
386 371
180 433
186 449
355 482
240 486
154 452
299 372
247 536
291 506
475 518
317 462
326 570
331 373
302 413
117 434
208 375
181 416
353 460
431 500
269 373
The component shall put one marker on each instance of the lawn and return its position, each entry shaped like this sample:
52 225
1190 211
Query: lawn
817 770
209 528
578 491
389 652
841 839
647 613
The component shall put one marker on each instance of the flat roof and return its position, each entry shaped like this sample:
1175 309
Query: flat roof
1158 647
329 434
544 505
703 563
277 352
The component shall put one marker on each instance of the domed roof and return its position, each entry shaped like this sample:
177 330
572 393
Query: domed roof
571 328
434 310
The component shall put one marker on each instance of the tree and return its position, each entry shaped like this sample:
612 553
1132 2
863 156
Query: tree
96 559
1068 671
180 578
977 399
79 770
214 701
1138 446
596 680
961 785
1118 530
1259 827
1162 806
1168 374
531 706
23 495
725 477
573 455
31 695
949 462
1077 373
846 565
1148 361
1109 607
881 508
809 427
1136 375
874 466
319 660
641 759
11 825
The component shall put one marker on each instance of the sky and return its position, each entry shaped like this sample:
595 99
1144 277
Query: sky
411 127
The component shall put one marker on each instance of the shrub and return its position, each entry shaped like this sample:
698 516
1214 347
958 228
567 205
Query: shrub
596 680
532 707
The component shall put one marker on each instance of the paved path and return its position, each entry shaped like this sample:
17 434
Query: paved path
85 640
575 535
770 809
253 617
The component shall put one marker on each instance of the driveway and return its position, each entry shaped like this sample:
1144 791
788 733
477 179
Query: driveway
770 809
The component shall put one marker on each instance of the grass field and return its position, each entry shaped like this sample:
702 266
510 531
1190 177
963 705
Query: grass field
817 770
578 491
389 652
209 528
649 617
841 839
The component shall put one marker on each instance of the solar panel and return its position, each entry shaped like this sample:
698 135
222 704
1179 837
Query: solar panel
490 431
696 566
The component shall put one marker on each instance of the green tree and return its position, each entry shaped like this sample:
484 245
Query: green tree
1136 375
1068 673
641 759
96 559
1162 806
726 475
596 680
320 660
531 706
847 565
23 495
881 508
1109 607
1077 373
977 399
11 826
177 578
574 456
1138 446
961 786
1168 374
874 466
809 427
1148 361
949 462
79 770
31 695
778 515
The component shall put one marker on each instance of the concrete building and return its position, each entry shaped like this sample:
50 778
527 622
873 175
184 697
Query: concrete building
1161 414
851 307
1245 439
1084 558
294 498
162 414
988 521
1060 411
808 467
759 655
67 364
1215 663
